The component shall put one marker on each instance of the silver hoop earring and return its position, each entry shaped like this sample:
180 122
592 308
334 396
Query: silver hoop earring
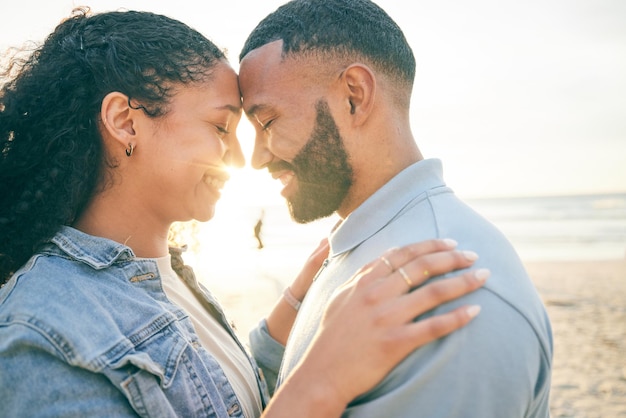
130 149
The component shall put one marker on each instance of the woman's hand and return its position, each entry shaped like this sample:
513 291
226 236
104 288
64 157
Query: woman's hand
370 321
303 280
281 318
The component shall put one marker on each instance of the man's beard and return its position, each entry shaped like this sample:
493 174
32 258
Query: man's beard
322 169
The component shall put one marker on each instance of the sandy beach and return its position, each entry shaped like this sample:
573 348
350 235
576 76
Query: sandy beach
586 301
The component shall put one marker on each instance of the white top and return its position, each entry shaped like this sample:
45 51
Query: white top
215 339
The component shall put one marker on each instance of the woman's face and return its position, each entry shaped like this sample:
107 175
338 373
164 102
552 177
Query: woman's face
188 151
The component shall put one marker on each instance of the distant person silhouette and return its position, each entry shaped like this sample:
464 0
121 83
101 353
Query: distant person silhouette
257 230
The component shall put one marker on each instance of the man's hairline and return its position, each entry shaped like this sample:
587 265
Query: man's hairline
327 54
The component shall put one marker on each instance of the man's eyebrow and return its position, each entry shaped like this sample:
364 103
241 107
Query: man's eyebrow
254 109
232 108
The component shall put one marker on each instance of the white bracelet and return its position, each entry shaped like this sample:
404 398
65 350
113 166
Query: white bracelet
291 299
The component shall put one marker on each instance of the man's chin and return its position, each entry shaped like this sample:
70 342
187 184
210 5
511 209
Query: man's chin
305 213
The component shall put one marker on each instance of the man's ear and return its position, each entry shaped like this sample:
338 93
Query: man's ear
360 82
118 122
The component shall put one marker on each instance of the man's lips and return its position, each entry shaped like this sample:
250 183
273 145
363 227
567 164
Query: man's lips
285 177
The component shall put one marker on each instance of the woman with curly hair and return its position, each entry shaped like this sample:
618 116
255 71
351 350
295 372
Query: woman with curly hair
120 124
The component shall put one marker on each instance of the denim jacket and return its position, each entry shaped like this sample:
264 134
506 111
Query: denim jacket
86 330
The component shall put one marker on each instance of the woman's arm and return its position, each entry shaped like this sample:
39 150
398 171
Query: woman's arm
370 321
281 318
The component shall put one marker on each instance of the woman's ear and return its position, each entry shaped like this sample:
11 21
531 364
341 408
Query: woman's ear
118 120
361 88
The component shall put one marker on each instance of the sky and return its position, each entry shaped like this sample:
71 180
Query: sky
516 98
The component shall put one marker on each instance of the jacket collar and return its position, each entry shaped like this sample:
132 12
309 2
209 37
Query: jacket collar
97 252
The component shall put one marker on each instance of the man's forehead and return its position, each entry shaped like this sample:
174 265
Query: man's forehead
257 74
268 55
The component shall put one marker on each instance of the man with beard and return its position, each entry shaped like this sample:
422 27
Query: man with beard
327 85
321 168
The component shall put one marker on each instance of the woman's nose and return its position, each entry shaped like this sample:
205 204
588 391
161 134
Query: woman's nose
234 155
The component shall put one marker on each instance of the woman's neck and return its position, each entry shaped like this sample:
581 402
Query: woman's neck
147 237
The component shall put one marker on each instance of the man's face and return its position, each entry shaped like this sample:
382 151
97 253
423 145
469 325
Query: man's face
321 168
297 138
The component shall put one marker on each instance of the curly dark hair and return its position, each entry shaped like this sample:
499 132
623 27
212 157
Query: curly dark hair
52 160
342 28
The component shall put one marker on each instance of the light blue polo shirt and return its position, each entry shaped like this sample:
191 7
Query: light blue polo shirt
498 366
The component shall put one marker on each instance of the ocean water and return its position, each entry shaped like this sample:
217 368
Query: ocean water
547 228
583 227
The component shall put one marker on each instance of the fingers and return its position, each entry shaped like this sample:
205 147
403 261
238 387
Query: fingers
394 258
417 267
418 270
426 330
415 334
321 252
435 293
303 280
369 323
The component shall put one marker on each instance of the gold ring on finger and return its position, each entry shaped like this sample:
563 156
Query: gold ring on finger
405 277
387 263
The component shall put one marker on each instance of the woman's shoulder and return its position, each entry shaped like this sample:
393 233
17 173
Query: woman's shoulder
66 307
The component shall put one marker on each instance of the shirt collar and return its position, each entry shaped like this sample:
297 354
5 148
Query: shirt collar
381 207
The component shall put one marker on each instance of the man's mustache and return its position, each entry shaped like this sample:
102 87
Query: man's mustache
280 166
